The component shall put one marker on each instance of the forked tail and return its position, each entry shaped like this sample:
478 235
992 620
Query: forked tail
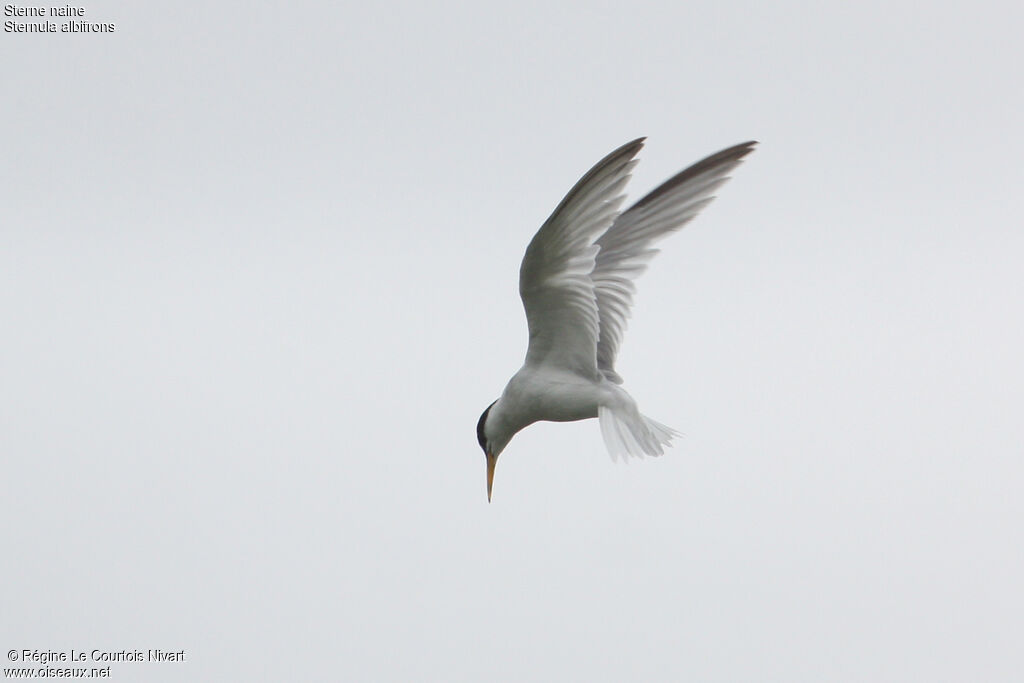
628 433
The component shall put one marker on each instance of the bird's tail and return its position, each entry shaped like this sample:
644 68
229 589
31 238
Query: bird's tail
628 433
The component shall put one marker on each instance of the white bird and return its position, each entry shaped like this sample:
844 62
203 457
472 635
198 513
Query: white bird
576 282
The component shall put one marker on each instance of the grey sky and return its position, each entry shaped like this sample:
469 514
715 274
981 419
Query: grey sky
258 280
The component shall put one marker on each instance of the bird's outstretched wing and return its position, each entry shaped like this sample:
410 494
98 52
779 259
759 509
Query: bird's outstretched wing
625 248
555 276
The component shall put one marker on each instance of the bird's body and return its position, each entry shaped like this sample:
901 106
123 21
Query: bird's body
576 282
552 394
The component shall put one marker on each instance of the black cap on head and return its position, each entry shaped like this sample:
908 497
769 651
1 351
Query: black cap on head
480 427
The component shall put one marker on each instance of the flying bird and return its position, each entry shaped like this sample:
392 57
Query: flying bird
576 283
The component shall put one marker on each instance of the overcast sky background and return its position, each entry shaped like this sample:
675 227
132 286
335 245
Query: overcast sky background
258 270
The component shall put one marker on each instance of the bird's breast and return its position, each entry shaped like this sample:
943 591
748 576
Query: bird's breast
537 394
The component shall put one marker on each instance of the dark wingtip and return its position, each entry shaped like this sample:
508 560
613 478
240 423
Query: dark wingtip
729 155
628 150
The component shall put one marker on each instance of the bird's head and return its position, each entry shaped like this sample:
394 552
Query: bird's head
491 443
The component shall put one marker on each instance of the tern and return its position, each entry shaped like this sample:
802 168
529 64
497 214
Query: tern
576 283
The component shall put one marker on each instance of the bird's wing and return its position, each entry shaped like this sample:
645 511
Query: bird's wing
554 278
625 248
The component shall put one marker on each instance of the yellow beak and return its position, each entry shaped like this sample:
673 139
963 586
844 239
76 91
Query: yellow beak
492 460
